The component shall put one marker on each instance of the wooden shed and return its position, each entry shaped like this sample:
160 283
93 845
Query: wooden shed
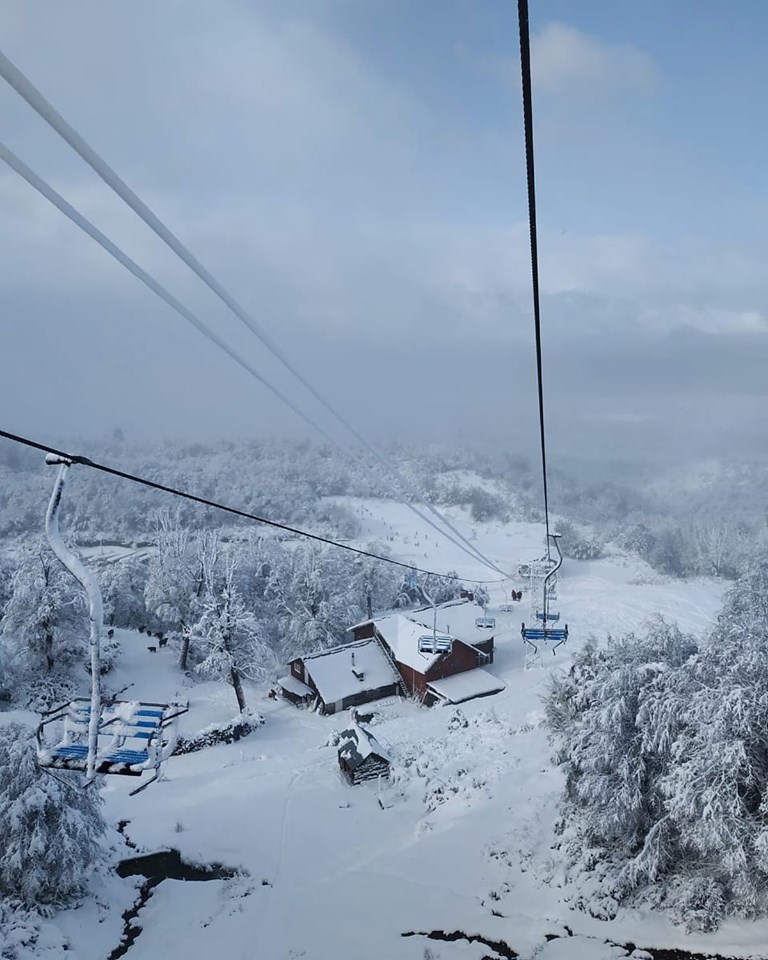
361 756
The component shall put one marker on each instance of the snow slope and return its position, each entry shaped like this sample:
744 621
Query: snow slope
458 841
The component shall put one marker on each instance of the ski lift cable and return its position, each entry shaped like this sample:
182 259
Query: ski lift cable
204 501
42 187
92 231
24 87
525 71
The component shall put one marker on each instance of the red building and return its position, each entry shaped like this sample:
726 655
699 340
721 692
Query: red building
426 674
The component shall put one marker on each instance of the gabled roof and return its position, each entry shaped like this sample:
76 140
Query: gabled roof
352 668
402 634
456 619
356 744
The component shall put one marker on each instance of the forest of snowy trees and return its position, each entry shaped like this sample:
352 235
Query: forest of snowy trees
234 610
238 601
661 739
680 525
664 744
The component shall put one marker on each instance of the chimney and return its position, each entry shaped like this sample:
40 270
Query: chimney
360 674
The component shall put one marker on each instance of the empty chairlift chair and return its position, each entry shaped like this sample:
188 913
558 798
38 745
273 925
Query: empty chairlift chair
133 737
543 632
432 643
485 623
96 736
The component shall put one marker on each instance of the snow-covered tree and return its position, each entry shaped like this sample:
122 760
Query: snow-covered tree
665 751
315 592
175 579
50 829
440 589
123 587
7 570
481 595
376 583
44 627
228 634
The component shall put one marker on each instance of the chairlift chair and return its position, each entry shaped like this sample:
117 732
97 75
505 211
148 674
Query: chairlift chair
485 623
95 735
543 632
133 737
433 643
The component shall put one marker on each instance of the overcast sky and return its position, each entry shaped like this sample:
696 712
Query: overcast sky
353 171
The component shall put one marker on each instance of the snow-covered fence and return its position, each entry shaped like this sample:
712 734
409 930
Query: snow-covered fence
228 732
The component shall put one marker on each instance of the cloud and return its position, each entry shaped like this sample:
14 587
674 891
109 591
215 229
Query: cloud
380 242
566 61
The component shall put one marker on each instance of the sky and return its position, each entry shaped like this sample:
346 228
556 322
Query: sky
353 172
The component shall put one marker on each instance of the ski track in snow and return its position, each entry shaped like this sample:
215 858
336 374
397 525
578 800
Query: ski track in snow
331 875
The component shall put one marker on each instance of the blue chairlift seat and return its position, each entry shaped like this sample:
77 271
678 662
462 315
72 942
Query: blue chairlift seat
554 617
430 643
132 737
544 634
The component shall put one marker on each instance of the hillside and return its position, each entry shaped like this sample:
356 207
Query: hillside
458 841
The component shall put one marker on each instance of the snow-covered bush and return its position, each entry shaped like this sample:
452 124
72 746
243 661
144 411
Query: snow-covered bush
485 505
40 692
230 731
459 767
109 654
664 752
635 538
576 545
19 930
50 829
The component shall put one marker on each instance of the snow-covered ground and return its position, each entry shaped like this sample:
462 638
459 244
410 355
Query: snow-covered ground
459 841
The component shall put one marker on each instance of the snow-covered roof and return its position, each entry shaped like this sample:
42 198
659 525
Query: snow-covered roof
402 631
336 673
386 614
466 686
402 635
356 744
294 686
